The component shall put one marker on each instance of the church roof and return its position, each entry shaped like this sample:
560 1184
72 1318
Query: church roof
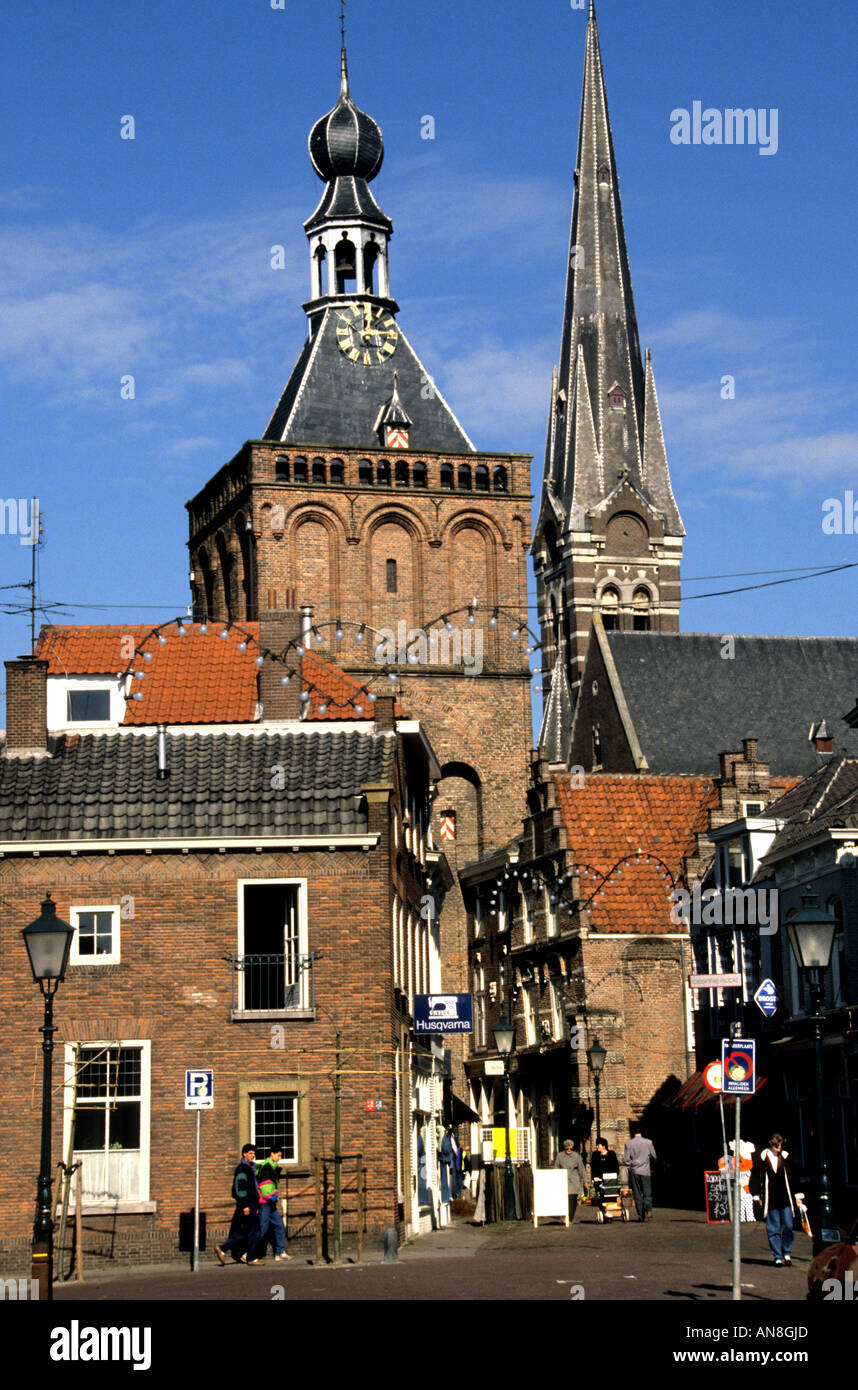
591 439
330 400
689 699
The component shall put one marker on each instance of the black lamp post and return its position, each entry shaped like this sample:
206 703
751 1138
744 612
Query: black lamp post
811 936
48 942
596 1055
504 1036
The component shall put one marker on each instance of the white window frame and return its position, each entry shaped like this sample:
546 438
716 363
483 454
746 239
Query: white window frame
70 1053
59 689
303 931
112 957
254 1096
550 910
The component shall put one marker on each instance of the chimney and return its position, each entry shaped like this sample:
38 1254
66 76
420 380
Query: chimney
385 716
750 749
163 769
26 706
278 625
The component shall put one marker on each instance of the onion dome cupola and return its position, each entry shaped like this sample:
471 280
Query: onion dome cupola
348 233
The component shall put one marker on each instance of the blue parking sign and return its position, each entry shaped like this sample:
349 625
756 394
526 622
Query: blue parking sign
199 1089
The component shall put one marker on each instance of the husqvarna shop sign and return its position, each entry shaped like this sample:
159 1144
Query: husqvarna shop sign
443 1013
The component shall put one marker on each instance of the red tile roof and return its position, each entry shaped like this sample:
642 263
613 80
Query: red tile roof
613 816
198 678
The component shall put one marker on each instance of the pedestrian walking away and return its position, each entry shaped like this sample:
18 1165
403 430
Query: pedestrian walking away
638 1157
268 1180
773 1187
243 1238
576 1177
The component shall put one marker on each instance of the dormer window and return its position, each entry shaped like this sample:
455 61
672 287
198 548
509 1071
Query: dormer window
604 175
617 397
89 706
396 436
611 609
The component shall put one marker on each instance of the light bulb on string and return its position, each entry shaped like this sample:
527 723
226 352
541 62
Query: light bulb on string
162 641
284 680
299 650
305 695
323 709
180 627
223 635
147 656
359 635
259 661
339 634
204 627
493 620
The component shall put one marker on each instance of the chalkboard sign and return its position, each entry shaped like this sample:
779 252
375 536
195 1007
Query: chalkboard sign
717 1200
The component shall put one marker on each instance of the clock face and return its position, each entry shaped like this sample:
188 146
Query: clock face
366 334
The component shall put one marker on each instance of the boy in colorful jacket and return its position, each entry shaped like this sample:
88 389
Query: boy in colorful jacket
268 1177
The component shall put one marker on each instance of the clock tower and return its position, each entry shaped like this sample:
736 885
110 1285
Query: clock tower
366 500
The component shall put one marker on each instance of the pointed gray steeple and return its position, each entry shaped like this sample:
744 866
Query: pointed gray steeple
608 539
600 348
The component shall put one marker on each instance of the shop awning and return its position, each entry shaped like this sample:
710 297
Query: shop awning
460 1113
694 1093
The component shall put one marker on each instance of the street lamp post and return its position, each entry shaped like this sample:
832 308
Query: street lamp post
596 1055
504 1036
811 936
48 942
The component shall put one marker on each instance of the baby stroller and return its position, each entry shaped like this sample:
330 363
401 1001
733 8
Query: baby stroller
612 1199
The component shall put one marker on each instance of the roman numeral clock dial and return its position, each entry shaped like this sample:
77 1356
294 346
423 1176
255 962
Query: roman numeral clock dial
366 334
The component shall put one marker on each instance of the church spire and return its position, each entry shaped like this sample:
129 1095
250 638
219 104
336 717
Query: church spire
608 538
600 332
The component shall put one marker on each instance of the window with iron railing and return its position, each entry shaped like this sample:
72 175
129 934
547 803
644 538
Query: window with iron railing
273 968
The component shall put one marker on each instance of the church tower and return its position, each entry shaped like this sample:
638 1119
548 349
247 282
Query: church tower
367 502
608 540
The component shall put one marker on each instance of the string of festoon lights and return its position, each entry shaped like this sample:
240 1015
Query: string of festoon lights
363 634
534 877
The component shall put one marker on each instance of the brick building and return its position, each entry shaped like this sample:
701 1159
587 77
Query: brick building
243 889
571 937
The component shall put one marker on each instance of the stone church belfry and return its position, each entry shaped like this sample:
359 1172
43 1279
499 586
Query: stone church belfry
609 535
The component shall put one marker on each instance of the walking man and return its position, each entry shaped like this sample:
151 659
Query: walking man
575 1174
638 1156
268 1178
772 1184
244 1231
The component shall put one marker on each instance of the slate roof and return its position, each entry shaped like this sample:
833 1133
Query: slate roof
105 786
195 679
688 704
825 801
333 401
613 815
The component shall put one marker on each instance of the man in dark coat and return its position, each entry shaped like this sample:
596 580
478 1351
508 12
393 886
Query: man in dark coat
603 1161
244 1231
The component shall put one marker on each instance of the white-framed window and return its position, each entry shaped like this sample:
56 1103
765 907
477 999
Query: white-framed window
274 1118
85 702
274 973
550 914
527 911
530 1020
106 1090
480 1006
96 937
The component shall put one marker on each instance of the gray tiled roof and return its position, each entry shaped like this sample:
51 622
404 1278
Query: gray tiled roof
105 786
330 400
688 704
825 801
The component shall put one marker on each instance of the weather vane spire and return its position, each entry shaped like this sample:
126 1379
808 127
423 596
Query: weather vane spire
344 65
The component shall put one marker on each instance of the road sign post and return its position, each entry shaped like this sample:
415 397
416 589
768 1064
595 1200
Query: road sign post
199 1095
738 1078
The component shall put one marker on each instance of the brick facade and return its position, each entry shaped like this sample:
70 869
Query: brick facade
173 989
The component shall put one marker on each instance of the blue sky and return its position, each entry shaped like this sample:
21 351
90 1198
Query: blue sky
152 257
